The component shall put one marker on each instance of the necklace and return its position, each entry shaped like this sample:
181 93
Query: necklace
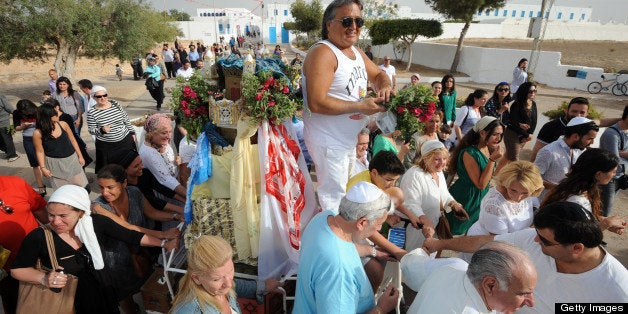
343 235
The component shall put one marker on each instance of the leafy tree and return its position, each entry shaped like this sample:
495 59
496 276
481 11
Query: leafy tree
464 11
94 28
177 15
307 17
406 30
373 10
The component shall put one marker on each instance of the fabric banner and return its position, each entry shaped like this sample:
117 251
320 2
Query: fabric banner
288 202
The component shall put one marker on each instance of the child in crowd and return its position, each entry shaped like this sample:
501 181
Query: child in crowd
45 95
119 72
444 136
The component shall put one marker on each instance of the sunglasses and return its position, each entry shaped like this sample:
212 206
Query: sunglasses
545 241
503 89
100 96
7 209
348 21
532 91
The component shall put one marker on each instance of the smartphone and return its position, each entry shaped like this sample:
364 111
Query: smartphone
397 236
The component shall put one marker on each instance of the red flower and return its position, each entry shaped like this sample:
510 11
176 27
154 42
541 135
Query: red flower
417 111
425 117
184 104
271 104
270 81
401 110
286 90
431 106
187 112
258 96
186 89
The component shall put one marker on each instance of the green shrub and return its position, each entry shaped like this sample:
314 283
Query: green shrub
555 113
303 43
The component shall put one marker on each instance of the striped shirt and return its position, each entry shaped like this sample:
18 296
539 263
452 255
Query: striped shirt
113 116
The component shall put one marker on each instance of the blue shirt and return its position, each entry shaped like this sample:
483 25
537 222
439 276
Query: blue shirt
331 278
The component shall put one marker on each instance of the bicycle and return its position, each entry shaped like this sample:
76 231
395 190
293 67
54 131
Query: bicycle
617 88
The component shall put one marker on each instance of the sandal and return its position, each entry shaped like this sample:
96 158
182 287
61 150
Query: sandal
42 190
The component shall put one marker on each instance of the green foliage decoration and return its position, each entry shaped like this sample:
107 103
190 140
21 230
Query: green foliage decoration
560 111
267 97
413 105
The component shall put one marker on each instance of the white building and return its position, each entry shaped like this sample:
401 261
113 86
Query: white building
528 11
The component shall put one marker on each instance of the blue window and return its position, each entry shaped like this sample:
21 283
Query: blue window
514 13
538 14
571 16
505 13
480 12
523 13
496 12
582 16
560 15
220 29
285 12
275 11
531 14
547 14
228 28
488 12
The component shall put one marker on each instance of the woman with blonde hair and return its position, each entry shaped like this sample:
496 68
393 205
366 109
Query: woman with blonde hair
209 286
426 191
509 205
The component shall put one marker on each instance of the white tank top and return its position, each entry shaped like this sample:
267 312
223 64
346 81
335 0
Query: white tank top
349 83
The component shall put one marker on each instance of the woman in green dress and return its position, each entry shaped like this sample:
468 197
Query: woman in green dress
474 160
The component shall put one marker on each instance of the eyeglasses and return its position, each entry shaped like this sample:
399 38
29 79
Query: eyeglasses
532 91
6 208
503 89
100 96
545 241
348 21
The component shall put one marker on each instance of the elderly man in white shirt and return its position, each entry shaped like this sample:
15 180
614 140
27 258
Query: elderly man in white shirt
555 159
361 160
499 278
565 247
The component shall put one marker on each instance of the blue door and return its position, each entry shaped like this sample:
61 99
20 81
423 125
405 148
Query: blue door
272 35
285 36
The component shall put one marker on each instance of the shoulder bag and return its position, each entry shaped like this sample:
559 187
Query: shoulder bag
37 298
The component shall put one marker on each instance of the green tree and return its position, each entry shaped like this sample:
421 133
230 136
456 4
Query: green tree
464 11
405 30
373 10
177 15
307 17
94 28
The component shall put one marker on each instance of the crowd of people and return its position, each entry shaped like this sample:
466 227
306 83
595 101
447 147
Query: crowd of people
531 231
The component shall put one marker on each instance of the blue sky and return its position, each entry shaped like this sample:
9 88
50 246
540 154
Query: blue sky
603 10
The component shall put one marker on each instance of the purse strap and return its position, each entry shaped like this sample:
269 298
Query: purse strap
51 248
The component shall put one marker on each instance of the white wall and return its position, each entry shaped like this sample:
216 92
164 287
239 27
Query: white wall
518 29
494 65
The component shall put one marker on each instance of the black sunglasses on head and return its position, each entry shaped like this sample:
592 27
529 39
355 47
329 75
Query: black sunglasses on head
348 21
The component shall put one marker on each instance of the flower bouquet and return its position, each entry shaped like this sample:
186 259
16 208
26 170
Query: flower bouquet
190 102
268 97
413 106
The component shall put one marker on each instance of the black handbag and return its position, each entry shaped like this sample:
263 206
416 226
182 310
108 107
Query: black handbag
151 84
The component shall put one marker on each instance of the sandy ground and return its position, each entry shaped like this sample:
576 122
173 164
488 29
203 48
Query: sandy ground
609 55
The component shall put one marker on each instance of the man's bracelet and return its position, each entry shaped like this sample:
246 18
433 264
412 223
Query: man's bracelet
373 251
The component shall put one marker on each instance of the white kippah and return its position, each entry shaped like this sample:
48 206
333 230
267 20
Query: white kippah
578 121
363 192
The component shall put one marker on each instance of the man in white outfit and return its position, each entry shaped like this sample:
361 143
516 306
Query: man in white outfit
335 76
499 278
390 71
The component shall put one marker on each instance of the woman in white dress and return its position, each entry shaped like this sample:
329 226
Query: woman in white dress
426 191
509 205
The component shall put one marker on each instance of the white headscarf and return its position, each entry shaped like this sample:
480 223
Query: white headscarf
78 198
